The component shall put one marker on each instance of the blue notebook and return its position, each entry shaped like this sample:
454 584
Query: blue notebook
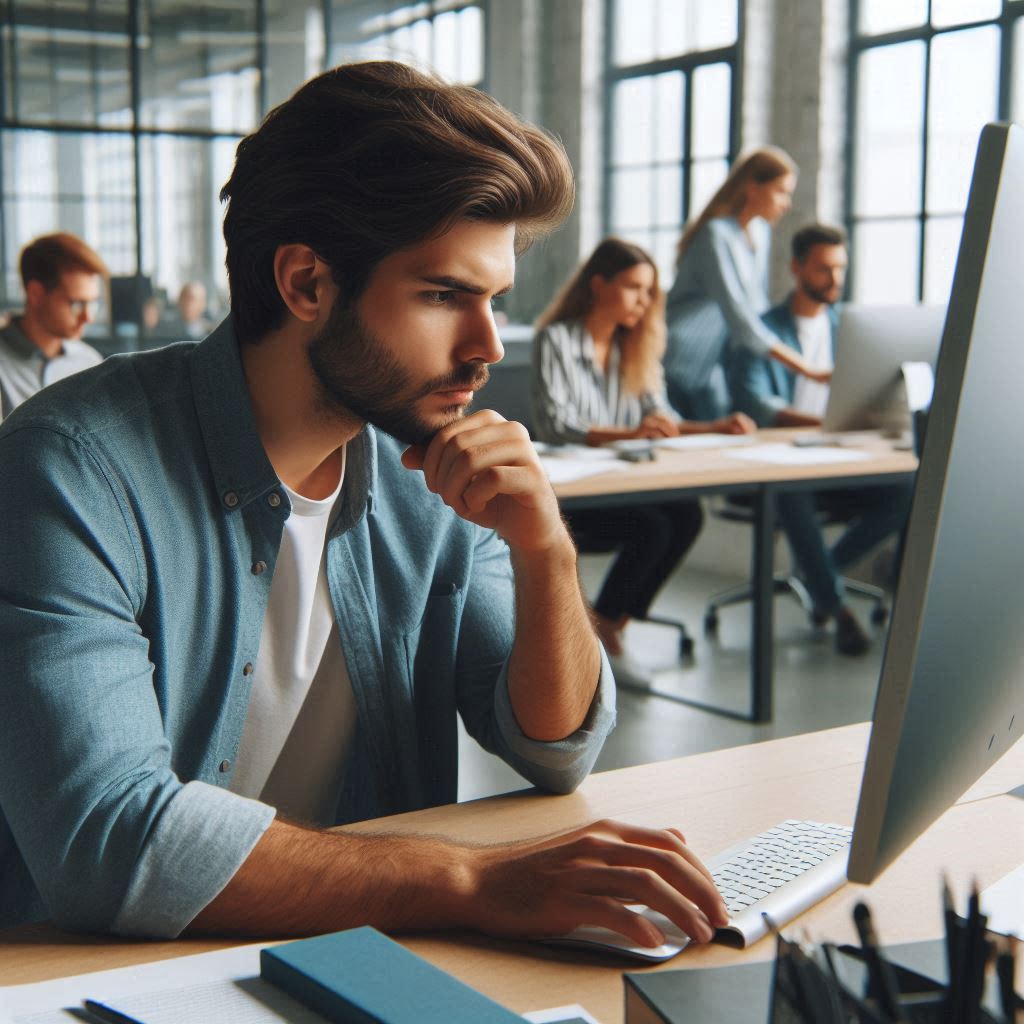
361 977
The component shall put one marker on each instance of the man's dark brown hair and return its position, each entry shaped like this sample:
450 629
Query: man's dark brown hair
815 234
47 257
370 158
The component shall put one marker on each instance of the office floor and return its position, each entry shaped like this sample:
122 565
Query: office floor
815 688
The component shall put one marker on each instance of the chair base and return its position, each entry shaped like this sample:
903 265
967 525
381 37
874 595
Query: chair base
685 640
787 583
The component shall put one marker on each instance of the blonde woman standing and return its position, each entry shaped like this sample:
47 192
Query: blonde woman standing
597 377
721 285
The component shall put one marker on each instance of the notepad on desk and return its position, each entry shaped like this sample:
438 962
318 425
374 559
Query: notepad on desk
219 986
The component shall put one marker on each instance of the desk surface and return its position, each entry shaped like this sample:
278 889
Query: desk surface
716 798
719 467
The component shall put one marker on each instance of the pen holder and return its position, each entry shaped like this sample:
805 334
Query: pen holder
806 990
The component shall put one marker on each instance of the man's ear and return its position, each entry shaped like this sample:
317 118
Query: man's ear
303 281
34 292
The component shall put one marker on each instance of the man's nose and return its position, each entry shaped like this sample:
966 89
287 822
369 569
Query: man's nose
482 341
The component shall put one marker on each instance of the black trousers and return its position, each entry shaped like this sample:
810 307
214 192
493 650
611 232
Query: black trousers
649 541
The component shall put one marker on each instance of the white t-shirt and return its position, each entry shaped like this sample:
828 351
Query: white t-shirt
815 334
301 710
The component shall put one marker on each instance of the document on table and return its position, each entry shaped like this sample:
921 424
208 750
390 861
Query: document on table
788 455
691 441
562 471
223 986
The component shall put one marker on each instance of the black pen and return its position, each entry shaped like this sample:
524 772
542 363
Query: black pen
882 980
108 1014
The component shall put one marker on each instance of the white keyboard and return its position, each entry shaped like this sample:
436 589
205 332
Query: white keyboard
781 873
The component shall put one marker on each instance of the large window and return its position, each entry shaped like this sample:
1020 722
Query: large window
671 115
119 119
926 76
444 37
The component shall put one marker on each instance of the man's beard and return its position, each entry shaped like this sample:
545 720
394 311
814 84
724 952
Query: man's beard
359 377
825 296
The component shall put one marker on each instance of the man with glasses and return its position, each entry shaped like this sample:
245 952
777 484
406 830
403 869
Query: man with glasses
62 278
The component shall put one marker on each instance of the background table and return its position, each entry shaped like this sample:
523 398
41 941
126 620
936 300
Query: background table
695 472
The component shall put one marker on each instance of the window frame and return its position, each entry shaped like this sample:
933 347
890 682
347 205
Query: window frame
134 129
687 64
860 43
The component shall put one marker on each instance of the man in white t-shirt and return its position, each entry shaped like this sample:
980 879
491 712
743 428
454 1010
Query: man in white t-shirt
251 584
62 277
775 397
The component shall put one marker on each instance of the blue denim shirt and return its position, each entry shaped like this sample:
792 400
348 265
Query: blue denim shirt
762 387
142 520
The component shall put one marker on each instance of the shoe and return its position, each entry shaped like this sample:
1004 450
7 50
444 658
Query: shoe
819 619
850 636
609 632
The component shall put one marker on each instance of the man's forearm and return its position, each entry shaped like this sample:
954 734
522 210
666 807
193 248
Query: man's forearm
555 663
299 881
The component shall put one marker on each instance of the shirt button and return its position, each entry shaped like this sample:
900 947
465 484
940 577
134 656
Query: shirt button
247 669
273 499
230 499
258 568
225 765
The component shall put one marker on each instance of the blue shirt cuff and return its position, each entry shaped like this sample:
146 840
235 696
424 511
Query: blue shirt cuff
559 766
199 842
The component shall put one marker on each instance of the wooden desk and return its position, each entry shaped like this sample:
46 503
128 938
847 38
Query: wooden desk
716 798
677 474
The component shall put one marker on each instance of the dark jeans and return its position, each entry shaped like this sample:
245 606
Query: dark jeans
872 514
649 541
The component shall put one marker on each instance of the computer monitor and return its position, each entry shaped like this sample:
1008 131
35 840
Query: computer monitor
873 343
951 695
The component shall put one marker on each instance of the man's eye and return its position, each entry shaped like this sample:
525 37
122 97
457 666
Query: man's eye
440 298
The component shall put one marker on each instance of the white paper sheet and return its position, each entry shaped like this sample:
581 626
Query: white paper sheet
691 441
920 383
563 471
790 455
224 986
1003 902
560 1013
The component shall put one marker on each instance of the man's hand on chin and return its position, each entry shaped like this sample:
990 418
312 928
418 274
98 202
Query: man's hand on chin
486 469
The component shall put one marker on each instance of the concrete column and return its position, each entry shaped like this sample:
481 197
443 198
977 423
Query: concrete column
794 68
545 63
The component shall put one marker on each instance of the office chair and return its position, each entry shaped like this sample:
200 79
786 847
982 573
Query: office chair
739 509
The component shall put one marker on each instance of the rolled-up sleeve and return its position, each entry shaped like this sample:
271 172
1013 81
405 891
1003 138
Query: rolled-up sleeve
558 766
751 387
555 397
112 838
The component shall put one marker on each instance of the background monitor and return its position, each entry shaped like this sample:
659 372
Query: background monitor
951 695
126 297
873 343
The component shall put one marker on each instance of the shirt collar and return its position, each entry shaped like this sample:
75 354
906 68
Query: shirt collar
241 470
20 342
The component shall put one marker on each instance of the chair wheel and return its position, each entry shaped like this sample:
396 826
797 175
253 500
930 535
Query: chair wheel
711 622
879 615
685 645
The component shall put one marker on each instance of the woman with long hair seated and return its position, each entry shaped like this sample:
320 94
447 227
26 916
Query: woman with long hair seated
721 284
597 377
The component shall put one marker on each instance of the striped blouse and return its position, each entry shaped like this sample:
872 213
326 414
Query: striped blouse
570 392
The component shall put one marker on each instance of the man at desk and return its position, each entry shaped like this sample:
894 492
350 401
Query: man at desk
62 277
775 397
250 582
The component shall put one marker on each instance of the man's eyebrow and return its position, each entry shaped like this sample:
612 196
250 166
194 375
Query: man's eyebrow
457 284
